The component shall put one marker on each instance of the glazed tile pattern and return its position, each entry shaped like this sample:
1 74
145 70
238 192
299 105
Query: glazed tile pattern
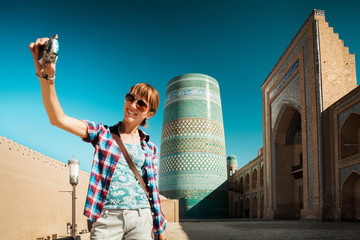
192 126
290 94
285 78
192 93
192 144
192 135
192 156
231 160
192 80
187 162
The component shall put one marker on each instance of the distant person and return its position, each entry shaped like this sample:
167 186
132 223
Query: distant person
115 201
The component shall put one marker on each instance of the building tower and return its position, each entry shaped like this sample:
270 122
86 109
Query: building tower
231 165
193 158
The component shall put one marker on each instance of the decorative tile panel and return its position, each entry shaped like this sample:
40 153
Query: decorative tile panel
231 160
192 144
185 162
284 78
192 126
192 158
290 94
184 94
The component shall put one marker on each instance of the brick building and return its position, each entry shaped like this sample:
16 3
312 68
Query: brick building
246 189
311 131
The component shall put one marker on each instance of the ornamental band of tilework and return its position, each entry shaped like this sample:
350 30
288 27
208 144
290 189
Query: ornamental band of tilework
231 160
192 157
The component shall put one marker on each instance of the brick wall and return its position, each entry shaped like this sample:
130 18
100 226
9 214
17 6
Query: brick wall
338 70
32 205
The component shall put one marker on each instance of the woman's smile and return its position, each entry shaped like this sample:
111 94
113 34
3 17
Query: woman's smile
131 113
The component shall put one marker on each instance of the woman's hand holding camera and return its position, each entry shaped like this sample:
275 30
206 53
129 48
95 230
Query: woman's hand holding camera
49 68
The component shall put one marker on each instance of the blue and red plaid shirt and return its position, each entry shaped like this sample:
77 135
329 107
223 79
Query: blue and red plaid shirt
107 154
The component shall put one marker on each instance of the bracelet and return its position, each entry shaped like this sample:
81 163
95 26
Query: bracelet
45 76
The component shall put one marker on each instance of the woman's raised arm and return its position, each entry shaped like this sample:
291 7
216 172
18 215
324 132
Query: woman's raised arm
53 108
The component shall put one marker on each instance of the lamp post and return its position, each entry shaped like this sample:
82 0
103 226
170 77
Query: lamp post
74 180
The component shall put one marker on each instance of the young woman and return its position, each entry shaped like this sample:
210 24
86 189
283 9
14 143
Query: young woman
115 201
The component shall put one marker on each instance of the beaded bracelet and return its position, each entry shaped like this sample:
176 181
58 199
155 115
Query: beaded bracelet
45 76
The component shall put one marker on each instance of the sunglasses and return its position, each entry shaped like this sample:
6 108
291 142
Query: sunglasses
141 105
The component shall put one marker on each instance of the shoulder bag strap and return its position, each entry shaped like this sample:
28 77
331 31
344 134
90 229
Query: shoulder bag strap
131 164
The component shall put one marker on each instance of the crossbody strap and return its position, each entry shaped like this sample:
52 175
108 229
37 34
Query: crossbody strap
131 164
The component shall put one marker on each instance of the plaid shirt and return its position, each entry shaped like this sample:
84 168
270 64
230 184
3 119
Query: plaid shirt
107 154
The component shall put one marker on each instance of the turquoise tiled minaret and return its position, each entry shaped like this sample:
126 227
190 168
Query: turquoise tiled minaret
231 165
193 160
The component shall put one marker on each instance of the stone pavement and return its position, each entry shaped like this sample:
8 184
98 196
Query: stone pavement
256 229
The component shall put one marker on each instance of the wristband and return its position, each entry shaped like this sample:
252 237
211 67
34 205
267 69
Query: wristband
45 76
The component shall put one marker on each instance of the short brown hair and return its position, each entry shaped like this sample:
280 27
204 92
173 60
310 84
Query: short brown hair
150 94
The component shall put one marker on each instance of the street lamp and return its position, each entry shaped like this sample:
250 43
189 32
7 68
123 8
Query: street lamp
74 171
74 180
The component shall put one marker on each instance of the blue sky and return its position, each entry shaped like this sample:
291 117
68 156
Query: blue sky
108 46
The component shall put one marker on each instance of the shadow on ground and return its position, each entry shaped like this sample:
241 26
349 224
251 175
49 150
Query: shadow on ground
257 229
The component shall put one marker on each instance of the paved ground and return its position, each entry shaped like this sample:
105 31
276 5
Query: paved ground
241 229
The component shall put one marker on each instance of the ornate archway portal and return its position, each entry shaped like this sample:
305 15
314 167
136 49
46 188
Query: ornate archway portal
288 165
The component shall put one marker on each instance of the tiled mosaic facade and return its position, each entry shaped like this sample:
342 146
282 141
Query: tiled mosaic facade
311 122
283 88
186 162
290 96
231 163
195 126
284 78
192 158
231 160
192 93
194 143
314 72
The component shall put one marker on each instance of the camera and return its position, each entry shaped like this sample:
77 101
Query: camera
48 53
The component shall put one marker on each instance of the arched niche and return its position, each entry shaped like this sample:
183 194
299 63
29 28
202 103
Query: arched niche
262 175
241 208
254 178
247 208
247 182
288 163
254 207
241 185
236 209
350 136
350 197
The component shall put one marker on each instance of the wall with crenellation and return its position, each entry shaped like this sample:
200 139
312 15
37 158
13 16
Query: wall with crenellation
32 205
